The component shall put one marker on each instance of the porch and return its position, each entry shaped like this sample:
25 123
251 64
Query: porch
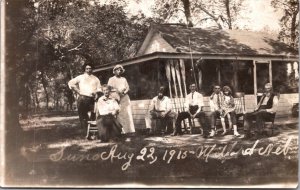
243 74
176 56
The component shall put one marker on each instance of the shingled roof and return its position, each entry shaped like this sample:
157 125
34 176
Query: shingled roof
217 41
213 43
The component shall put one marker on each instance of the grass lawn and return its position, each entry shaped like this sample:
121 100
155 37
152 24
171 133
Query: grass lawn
56 154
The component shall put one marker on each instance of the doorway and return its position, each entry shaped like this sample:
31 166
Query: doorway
262 75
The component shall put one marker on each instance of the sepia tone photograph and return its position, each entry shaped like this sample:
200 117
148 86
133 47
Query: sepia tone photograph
149 93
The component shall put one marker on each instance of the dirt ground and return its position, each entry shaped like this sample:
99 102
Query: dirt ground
57 154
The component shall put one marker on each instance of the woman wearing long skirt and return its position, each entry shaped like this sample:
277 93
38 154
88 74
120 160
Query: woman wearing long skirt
121 89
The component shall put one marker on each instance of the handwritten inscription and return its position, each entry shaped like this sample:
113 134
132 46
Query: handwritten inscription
151 155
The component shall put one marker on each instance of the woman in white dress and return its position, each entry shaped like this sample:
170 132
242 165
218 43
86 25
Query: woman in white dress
121 88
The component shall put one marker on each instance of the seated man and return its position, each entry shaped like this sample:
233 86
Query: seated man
107 110
193 109
160 108
265 109
215 102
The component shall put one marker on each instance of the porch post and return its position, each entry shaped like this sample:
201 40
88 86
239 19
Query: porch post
235 77
219 73
183 73
158 74
270 72
255 82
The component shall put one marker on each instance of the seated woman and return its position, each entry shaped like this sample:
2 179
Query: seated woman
107 110
228 110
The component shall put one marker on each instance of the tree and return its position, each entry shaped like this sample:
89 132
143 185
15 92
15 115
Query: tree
61 35
223 13
289 22
48 41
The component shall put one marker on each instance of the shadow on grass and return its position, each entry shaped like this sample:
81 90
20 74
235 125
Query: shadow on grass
38 168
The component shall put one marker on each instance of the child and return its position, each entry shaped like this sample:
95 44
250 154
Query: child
228 108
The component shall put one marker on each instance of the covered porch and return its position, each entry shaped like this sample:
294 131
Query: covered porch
242 73
176 56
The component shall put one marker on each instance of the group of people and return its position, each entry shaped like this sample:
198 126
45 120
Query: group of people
114 115
222 106
108 104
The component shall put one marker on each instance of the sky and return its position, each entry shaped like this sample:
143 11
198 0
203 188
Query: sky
262 14
258 14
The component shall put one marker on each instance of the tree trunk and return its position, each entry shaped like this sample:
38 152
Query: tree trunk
187 12
36 99
227 5
211 15
57 101
43 80
235 83
12 126
293 28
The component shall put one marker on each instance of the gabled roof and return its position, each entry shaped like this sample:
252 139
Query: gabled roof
209 44
217 41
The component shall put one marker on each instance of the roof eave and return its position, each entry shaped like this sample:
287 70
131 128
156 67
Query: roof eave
196 55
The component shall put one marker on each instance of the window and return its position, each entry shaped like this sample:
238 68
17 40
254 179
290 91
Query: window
238 75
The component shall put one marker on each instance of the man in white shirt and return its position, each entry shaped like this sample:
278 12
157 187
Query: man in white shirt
107 110
86 86
215 102
265 109
193 109
160 108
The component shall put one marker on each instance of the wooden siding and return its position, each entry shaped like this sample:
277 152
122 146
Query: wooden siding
286 101
158 44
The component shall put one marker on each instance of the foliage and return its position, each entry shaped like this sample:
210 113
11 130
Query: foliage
220 13
289 22
56 37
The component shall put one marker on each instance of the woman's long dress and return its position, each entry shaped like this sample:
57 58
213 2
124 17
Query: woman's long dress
125 115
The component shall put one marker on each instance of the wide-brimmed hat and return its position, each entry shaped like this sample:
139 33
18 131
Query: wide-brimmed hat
119 67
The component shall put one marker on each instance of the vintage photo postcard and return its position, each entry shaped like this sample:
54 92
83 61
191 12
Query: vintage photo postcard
149 93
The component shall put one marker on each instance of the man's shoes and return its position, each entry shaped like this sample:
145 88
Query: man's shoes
212 133
247 135
264 133
174 134
224 133
236 134
256 137
149 132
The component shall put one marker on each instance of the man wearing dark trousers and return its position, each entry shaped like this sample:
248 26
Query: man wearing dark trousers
108 108
215 102
265 109
160 108
193 109
86 86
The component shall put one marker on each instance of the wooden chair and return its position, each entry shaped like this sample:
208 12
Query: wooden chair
193 127
92 129
272 119
240 107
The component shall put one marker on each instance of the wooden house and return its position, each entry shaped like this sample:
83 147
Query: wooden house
243 60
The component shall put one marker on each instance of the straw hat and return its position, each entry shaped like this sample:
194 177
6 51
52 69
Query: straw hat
119 67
